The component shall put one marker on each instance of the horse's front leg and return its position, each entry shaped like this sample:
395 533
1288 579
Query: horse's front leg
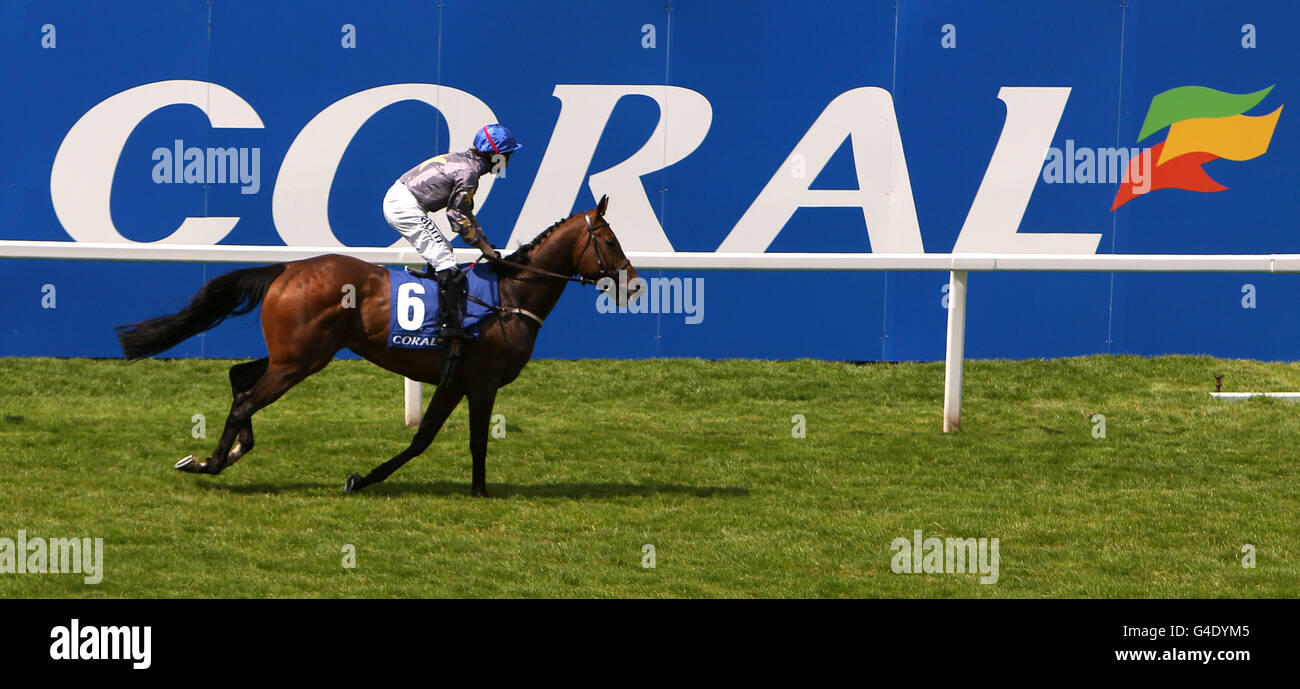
481 399
445 399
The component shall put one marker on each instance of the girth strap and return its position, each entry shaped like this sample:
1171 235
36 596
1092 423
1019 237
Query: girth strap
506 309
522 312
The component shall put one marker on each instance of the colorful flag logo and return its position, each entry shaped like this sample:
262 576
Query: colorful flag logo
1205 124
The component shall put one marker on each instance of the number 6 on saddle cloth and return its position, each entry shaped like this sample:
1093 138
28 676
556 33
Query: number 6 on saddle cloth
413 307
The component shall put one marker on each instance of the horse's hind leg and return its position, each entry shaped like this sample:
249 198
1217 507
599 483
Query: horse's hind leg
277 380
242 379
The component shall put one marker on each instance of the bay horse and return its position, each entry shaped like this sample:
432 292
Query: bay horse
305 321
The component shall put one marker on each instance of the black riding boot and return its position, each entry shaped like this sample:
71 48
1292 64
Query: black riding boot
450 282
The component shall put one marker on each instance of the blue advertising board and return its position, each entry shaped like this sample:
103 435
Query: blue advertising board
1146 126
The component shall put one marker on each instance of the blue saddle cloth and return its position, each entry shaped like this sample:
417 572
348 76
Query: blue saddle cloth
413 307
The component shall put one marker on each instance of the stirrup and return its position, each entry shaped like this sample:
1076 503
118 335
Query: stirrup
453 332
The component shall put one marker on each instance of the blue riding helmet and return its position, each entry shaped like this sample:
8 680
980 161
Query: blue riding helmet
495 138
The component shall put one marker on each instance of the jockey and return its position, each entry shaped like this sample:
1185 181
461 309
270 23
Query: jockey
448 181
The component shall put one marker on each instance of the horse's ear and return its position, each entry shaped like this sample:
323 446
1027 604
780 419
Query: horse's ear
604 203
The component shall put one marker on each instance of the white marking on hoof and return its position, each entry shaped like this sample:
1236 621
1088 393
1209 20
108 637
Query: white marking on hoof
236 451
185 461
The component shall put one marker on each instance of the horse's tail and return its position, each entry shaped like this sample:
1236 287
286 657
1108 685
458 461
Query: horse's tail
232 294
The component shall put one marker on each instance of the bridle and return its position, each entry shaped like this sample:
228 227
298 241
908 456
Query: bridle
595 247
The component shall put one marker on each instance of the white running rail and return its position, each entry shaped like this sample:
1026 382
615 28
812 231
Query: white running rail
957 265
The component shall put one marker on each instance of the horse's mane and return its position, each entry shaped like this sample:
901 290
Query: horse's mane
524 254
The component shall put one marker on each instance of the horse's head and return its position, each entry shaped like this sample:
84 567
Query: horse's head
600 257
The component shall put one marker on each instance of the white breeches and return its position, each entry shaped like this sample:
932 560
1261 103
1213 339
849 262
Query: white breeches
405 215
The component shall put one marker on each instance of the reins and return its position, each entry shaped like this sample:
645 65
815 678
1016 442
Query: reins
579 279
604 272
591 236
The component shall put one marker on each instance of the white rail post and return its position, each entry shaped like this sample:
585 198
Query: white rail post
414 400
954 359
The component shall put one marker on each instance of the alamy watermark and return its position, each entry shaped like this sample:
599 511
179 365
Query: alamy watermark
657 295
194 165
37 555
1088 165
936 555
77 642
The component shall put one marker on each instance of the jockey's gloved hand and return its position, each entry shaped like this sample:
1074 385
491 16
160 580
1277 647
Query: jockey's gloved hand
487 248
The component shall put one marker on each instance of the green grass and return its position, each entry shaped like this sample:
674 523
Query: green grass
693 457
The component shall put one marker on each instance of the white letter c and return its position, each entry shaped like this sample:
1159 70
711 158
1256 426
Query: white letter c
81 181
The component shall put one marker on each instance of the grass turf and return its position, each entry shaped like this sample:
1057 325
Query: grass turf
693 457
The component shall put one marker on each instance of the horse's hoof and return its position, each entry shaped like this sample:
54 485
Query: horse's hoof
187 463
480 493
352 485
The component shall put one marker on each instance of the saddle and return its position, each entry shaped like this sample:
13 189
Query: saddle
414 306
